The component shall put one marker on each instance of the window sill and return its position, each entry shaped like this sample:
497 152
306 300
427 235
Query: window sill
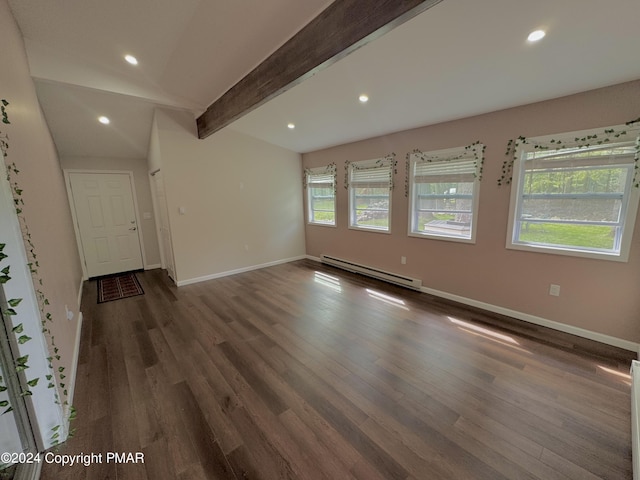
610 256
318 224
370 229
447 238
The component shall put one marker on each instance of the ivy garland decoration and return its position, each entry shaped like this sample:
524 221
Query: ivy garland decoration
18 330
3 111
478 160
330 169
10 310
21 363
386 161
608 135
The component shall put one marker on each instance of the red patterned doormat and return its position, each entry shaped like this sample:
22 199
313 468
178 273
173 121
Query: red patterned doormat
118 286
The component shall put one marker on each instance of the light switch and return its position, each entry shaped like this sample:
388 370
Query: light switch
182 210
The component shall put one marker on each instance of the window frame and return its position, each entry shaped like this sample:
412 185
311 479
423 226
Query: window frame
629 201
384 163
326 172
452 156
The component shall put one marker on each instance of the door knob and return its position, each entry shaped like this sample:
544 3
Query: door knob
133 229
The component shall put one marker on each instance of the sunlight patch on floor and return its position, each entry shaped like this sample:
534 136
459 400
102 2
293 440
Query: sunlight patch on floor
625 376
487 333
328 281
388 299
484 330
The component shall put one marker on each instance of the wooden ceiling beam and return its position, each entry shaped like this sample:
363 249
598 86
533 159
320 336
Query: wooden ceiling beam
341 28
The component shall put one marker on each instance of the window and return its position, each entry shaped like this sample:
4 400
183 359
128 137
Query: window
444 193
370 184
321 195
578 198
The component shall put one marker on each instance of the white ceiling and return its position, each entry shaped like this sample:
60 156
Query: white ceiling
460 58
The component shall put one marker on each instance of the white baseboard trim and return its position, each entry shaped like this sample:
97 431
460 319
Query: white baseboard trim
315 259
153 266
563 327
74 371
189 281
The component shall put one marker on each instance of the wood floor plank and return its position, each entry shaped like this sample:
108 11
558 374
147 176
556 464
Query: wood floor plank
158 461
202 438
216 398
332 467
167 407
301 371
383 462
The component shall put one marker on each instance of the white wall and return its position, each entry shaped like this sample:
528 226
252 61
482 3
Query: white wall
143 195
242 199
46 211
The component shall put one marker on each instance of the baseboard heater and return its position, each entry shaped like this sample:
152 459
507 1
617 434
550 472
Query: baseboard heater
408 282
635 418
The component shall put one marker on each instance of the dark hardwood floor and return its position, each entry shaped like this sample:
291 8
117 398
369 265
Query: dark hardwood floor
301 371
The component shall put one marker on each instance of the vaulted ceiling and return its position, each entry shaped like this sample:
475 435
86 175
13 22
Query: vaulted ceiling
459 58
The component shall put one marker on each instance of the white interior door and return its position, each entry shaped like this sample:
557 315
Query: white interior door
163 225
107 223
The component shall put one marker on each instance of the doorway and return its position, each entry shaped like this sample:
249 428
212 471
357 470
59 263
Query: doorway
163 224
106 222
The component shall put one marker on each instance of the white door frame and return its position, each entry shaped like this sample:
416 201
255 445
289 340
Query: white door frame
76 229
156 212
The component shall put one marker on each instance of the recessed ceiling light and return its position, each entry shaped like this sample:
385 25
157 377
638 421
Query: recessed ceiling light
131 59
104 120
363 98
536 35
291 126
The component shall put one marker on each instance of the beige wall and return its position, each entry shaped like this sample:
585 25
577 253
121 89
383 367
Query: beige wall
46 208
242 198
597 295
143 195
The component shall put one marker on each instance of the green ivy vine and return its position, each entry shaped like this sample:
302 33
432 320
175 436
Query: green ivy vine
3 111
608 135
21 363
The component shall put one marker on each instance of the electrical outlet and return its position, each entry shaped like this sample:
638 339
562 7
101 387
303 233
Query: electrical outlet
554 290
403 260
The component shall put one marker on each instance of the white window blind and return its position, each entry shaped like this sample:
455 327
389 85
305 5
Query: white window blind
595 156
371 174
320 179
444 171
